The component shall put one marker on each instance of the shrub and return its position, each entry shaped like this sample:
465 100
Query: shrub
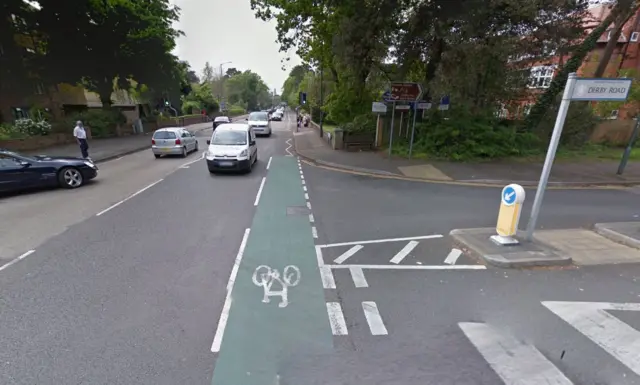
365 123
102 122
235 111
8 131
578 126
464 137
32 127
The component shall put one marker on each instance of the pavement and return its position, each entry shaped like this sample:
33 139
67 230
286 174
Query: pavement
102 150
296 274
311 147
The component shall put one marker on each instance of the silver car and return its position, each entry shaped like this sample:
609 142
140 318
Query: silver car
173 141
260 123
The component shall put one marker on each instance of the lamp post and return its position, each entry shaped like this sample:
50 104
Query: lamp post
221 94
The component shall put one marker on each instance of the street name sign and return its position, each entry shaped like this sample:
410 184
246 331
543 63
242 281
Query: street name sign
378 108
405 92
511 201
424 106
601 89
403 107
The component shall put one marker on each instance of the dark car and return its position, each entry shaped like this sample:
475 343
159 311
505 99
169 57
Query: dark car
19 172
220 120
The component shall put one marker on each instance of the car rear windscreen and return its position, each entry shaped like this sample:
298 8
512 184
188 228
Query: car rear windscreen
164 135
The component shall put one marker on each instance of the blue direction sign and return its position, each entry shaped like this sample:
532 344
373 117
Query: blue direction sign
386 96
509 195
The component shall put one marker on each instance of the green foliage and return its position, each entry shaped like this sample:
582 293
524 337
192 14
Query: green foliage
99 43
235 111
365 123
9 131
578 126
464 136
248 89
200 97
102 122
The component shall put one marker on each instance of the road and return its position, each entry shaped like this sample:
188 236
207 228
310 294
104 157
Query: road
177 282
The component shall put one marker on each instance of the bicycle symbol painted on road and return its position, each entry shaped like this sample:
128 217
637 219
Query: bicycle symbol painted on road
265 276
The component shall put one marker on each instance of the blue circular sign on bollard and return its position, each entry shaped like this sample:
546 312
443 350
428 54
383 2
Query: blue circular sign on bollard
509 195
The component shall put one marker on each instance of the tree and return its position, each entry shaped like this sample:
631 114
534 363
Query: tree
118 40
207 73
231 72
199 98
249 90
545 100
626 11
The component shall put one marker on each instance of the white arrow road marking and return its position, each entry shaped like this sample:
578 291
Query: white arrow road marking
347 254
591 319
402 254
453 256
515 362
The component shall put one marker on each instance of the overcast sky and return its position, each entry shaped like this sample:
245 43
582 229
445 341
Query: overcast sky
219 31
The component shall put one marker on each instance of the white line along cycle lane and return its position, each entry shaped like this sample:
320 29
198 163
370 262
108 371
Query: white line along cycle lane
275 314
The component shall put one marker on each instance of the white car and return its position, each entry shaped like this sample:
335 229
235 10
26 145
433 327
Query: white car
260 123
232 148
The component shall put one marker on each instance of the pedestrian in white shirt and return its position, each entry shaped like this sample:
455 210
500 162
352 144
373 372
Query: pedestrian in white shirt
81 137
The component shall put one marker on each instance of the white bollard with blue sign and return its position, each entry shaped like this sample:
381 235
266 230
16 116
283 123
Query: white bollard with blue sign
511 202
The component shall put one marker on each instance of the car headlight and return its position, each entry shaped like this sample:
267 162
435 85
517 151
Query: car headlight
243 153
89 164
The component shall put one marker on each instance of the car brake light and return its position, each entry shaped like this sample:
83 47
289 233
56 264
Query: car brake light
153 141
178 141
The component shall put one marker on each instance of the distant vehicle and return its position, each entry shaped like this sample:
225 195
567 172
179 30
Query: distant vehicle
20 172
232 148
277 116
259 122
220 120
173 141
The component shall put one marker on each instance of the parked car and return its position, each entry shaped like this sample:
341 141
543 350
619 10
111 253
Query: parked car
19 172
232 148
173 141
220 120
259 122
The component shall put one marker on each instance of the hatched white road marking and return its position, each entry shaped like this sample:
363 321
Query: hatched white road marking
433 236
592 319
336 319
402 254
453 256
516 363
358 277
347 254
376 325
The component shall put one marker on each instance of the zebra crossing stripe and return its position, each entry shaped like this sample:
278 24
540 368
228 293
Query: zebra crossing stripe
591 319
515 362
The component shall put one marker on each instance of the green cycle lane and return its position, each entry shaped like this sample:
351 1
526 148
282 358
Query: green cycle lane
262 342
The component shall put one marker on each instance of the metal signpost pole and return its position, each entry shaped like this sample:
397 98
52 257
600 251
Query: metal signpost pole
393 114
627 151
413 127
551 153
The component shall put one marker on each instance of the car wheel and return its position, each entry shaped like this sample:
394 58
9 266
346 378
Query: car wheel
212 171
196 150
157 156
184 152
70 177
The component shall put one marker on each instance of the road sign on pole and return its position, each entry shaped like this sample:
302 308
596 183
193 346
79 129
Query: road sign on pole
378 108
511 201
575 89
406 92
393 116
386 96
413 128
444 103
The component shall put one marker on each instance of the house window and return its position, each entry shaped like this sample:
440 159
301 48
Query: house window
634 36
540 76
614 114
20 113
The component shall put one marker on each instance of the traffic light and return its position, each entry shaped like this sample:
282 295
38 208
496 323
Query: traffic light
303 98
